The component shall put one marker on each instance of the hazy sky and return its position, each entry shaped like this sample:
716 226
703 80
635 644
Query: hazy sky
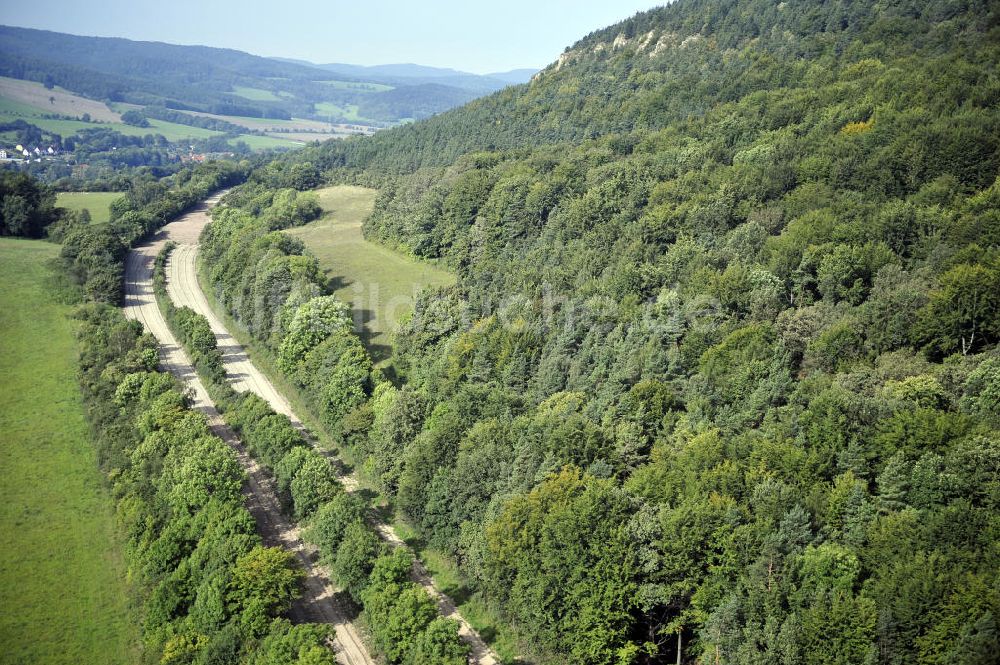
465 34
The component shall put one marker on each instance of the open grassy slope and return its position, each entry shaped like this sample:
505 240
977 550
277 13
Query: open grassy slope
56 100
346 111
256 142
62 586
255 94
378 283
96 202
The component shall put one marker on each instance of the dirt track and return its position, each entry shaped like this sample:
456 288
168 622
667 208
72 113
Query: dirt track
185 290
319 603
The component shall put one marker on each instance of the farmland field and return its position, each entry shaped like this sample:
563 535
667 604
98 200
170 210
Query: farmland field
348 112
96 202
255 94
29 101
378 283
30 94
172 131
307 137
62 585
12 107
265 142
268 124
357 85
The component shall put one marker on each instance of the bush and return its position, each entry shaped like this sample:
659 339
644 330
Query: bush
438 644
329 524
314 484
135 118
355 558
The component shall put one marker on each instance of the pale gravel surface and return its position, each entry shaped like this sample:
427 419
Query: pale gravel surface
320 603
185 290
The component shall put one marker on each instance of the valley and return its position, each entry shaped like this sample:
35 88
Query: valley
684 349
321 603
64 113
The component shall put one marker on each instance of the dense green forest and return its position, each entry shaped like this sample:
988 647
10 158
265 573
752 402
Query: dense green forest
211 593
401 617
720 372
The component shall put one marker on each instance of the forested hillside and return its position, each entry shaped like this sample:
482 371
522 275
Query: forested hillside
720 371
681 61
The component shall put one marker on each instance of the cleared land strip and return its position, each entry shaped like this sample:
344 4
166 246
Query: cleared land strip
184 290
319 603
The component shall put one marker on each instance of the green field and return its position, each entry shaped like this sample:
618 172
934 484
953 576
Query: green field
348 112
18 109
255 94
172 131
96 202
377 282
257 142
62 580
11 110
36 97
357 85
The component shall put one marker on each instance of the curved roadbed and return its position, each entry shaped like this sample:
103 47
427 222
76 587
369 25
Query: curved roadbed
319 602
184 290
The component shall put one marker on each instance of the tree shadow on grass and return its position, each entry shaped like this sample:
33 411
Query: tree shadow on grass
337 282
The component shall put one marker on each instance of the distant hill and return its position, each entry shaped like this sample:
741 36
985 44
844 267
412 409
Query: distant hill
411 74
514 76
230 82
404 70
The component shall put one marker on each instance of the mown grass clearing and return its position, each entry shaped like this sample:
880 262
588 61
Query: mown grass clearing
96 202
348 112
256 142
62 579
379 284
255 94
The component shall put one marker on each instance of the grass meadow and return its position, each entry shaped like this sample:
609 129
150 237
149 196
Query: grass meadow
172 131
96 202
357 85
256 142
348 112
378 283
30 95
62 578
255 94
